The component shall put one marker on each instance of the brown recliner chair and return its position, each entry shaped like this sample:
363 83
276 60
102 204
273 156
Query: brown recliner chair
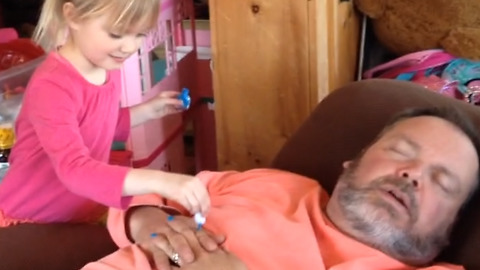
53 246
342 124
348 120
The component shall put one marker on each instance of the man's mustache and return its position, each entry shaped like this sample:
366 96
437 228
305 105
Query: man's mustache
400 184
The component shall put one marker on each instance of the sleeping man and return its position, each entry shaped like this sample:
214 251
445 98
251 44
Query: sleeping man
392 208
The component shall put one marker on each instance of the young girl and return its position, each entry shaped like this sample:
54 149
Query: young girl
70 116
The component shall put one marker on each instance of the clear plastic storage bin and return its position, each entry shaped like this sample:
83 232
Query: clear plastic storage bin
13 82
18 76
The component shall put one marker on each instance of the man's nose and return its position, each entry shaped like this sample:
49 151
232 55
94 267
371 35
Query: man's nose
412 173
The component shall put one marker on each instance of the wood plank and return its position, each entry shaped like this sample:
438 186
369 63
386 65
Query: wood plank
336 32
319 61
344 36
261 77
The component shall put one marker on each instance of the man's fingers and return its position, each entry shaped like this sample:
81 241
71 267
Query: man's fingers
161 261
160 242
156 255
163 250
208 241
181 246
220 239
191 237
180 224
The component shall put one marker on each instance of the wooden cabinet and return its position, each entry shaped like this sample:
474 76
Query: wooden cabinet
273 61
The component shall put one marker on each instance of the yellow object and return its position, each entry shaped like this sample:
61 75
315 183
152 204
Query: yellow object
7 137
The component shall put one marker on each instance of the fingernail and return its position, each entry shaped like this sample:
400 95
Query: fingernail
220 238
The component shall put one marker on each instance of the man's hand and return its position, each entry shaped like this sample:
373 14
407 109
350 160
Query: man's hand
218 259
161 239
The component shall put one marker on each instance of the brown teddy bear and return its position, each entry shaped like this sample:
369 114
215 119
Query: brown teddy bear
405 26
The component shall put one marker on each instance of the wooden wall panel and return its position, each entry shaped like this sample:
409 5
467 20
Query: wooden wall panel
274 60
344 35
261 77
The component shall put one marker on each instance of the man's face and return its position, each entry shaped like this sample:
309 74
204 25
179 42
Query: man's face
403 194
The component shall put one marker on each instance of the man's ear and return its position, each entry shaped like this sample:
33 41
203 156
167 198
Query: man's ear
70 15
347 164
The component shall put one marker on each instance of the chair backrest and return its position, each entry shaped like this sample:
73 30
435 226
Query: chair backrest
349 119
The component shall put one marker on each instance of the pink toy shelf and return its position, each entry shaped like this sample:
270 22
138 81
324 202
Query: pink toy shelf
203 117
202 113
164 62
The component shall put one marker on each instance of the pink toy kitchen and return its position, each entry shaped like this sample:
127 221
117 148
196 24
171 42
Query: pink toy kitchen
175 56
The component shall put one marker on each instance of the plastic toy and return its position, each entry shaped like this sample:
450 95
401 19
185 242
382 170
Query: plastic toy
200 220
184 96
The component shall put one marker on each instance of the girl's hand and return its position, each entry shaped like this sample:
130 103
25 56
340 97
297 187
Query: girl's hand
165 103
187 190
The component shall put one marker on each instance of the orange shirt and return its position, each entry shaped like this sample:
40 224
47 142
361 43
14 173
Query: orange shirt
271 220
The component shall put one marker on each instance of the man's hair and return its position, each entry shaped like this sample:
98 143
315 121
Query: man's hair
452 115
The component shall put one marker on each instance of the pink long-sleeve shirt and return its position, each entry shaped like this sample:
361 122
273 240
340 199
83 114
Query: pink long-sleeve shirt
271 220
58 166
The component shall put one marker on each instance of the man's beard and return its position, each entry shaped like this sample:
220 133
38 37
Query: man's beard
367 216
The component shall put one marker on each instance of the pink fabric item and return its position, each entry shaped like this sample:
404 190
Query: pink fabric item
58 166
116 217
130 257
412 62
271 220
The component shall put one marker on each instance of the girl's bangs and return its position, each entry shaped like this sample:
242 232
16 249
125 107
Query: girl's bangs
126 14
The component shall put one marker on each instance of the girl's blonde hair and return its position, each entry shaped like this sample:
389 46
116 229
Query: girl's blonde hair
123 14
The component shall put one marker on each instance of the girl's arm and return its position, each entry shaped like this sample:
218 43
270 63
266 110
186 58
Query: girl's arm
184 189
53 110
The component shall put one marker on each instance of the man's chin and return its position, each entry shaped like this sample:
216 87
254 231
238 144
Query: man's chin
375 216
